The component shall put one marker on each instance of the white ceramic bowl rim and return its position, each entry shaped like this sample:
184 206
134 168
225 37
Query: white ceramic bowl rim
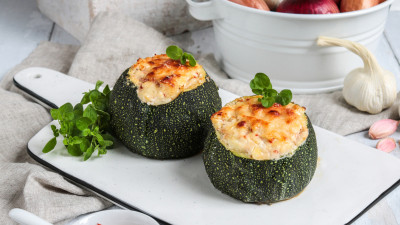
308 16
117 216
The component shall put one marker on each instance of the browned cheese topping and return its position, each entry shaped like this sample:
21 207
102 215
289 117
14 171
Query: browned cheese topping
161 79
249 130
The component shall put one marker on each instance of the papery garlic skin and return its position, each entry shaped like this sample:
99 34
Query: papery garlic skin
367 93
386 145
383 128
371 88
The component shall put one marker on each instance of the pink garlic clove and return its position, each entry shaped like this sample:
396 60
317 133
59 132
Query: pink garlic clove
383 128
386 145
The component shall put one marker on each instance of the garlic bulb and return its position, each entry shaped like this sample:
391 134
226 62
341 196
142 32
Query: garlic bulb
371 88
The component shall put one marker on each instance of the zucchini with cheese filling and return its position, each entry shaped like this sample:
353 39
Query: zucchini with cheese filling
258 154
161 109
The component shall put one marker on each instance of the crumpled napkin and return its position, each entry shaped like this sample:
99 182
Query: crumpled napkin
24 183
113 44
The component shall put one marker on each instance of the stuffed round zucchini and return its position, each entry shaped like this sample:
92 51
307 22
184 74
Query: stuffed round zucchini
258 154
161 109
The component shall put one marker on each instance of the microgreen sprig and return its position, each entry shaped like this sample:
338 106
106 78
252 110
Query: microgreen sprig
84 130
261 85
176 53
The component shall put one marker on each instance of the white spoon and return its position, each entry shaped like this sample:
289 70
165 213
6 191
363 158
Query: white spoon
24 217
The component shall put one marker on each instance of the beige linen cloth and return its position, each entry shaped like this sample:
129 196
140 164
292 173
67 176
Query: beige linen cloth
113 43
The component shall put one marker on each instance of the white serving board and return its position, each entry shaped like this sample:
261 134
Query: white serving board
349 178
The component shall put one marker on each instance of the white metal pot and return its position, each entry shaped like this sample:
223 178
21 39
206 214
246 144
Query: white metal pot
283 45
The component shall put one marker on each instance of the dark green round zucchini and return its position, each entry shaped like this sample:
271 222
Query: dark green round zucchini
174 130
260 181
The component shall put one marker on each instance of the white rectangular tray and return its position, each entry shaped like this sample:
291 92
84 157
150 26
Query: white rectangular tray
350 176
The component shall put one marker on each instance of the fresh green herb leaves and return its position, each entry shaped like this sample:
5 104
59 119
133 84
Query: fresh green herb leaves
261 85
84 130
176 53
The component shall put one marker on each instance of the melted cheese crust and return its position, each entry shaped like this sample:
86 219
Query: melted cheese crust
161 79
249 130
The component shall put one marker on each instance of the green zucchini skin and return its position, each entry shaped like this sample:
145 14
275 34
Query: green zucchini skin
260 181
174 130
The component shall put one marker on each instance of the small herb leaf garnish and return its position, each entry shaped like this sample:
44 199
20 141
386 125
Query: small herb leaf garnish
83 130
284 97
192 61
176 53
267 101
50 145
261 85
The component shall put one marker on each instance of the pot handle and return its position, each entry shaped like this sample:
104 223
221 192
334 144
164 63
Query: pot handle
203 10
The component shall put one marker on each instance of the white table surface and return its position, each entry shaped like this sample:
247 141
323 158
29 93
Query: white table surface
22 27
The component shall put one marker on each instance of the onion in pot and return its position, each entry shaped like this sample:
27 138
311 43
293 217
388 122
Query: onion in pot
308 6
273 4
257 4
353 5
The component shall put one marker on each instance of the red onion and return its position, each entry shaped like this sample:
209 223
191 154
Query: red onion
308 6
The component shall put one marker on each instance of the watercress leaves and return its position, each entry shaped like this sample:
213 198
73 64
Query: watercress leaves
284 97
176 53
50 145
84 130
261 85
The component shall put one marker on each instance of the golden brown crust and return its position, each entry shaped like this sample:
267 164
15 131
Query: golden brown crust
161 79
252 131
